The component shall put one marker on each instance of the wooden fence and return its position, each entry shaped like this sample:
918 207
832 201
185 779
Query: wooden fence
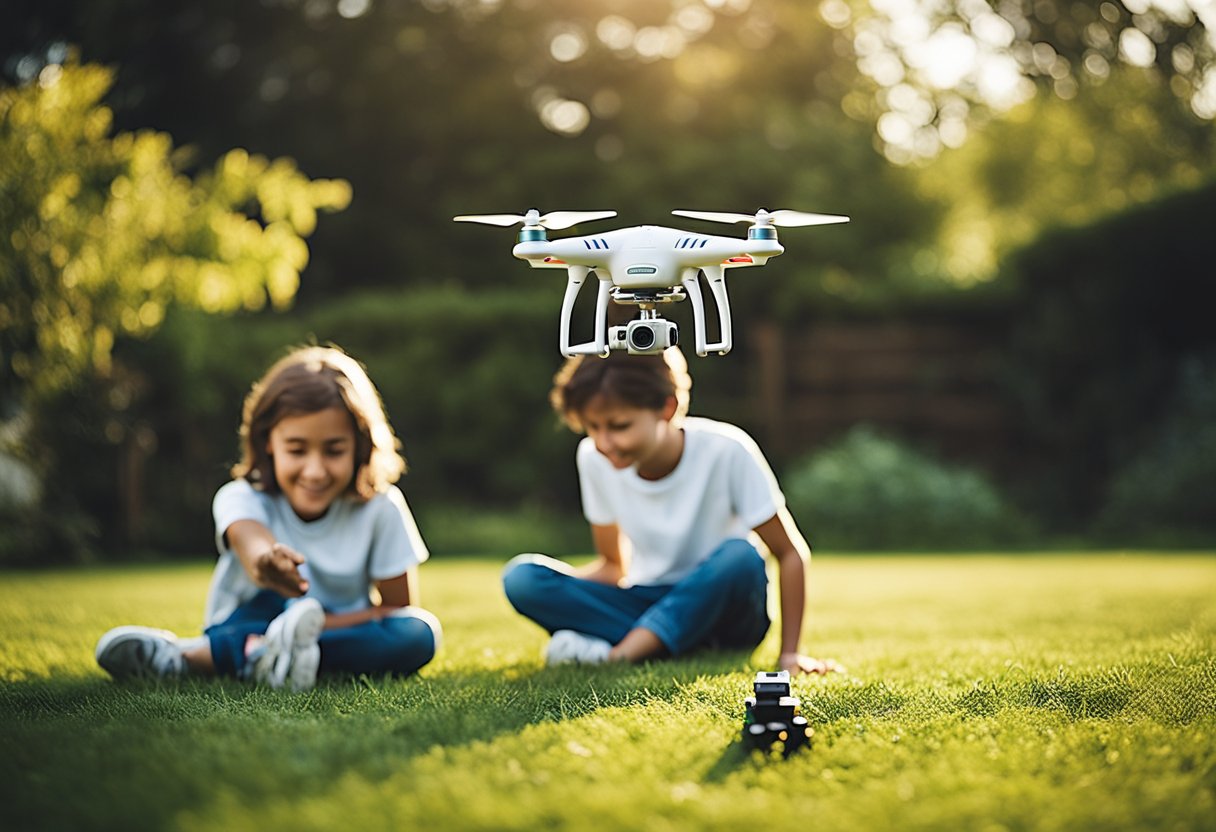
935 384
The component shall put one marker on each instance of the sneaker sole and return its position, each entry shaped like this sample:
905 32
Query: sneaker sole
305 662
301 626
116 642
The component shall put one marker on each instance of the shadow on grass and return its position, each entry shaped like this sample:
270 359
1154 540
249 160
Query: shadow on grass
86 752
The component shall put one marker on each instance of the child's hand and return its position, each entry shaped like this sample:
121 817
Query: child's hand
278 569
797 663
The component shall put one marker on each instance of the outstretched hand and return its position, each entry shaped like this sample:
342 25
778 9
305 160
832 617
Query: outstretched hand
797 663
278 568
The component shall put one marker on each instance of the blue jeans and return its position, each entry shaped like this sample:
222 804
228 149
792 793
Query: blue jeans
722 603
399 643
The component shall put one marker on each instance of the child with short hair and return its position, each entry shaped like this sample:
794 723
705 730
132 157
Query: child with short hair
672 501
318 551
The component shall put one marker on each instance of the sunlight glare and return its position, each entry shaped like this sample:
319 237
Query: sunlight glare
616 32
953 132
947 57
1001 83
1183 58
694 19
836 13
895 129
883 67
654 42
565 117
993 30
1096 65
350 9
567 45
1203 103
1136 48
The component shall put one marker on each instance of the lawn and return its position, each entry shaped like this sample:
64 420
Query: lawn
983 692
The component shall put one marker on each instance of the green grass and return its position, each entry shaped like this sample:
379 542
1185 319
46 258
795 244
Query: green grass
984 692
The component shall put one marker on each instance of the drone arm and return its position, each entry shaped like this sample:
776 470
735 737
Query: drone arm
598 346
717 285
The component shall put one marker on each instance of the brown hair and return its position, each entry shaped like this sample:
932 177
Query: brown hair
309 380
645 381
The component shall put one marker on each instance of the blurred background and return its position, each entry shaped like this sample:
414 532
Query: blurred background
1009 346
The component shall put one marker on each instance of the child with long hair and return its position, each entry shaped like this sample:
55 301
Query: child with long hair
672 501
318 551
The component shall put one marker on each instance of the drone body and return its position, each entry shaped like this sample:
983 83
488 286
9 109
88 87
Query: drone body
647 266
647 256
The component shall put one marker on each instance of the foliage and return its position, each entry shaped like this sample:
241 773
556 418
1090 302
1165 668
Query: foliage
1165 491
1028 693
104 232
530 525
674 105
453 106
940 68
1053 163
465 386
1102 319
466 382
868 491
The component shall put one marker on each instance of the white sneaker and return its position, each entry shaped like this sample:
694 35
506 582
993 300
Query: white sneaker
140 652
568 646
289 655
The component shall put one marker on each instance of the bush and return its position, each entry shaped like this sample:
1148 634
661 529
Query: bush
1165 493
464 377
1103 318
476 529
868 491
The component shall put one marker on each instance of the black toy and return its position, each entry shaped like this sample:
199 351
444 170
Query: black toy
772 715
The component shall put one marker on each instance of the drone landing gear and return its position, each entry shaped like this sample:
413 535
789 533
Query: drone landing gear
650 333
599 346
716 275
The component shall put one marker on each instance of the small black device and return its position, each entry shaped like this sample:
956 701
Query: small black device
772 716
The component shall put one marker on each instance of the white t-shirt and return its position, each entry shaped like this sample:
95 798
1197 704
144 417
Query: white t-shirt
721 488
345 551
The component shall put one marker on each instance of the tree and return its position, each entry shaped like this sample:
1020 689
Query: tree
456 106
104 231
1050 163
936 69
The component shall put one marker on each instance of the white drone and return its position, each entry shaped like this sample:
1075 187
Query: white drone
648 265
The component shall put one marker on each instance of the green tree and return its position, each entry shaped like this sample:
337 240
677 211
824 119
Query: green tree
458 106
935 70
1052 163
104 231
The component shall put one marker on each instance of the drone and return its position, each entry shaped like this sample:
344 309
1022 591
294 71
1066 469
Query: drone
648 266
772 717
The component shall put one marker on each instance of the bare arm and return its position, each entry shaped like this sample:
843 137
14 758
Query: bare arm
395 593
269 564
781 536
609 567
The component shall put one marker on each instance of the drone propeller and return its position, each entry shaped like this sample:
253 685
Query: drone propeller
554 220
789 219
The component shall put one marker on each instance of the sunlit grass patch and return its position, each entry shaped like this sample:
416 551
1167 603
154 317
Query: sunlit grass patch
1040 692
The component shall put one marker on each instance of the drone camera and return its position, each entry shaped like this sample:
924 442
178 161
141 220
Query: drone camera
644 337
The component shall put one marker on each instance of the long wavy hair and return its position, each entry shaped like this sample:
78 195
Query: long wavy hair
308 380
